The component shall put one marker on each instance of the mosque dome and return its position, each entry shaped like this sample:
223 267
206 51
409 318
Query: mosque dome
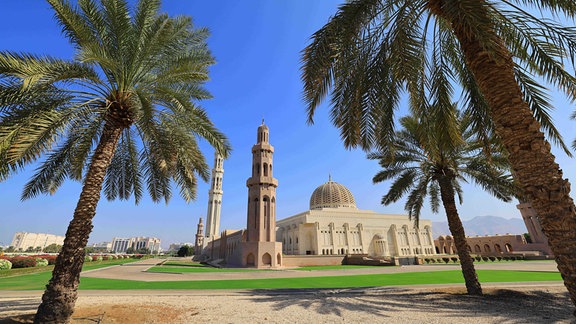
332 195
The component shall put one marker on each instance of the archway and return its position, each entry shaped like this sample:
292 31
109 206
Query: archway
487 248
279 259
509 247
267 259
477 248
250 260
497 248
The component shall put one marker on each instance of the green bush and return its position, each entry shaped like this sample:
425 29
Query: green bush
492 258
41 262
99 258
485 259
427 260
5 264
446 260
454 259
87 258
499 258
478 258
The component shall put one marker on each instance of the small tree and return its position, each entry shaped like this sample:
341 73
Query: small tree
185 251
10 249
143 250
130 250
53 248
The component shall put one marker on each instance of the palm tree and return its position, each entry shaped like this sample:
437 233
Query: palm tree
371 52
425 161
119 117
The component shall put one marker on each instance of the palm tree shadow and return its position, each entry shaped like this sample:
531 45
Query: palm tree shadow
538 306
26 307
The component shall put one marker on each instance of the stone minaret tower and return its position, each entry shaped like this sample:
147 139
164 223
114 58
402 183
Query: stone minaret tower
199 244
261 249
215 199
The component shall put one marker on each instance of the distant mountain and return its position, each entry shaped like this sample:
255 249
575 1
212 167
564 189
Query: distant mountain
484 225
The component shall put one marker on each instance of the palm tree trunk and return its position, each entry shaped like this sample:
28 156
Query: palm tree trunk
61 292
533 164
455 225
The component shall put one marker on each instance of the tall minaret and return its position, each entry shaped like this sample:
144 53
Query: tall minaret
199 244
215 198
261 225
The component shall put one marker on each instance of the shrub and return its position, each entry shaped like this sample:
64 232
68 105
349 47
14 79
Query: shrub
446 260
40 262
23 262
492 258
499 258
506 258
5 264
87 258
99 258
478 258
454 259
51 259
427 260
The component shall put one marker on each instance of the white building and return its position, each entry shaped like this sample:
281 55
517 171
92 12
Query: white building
24 240
335 226
120 245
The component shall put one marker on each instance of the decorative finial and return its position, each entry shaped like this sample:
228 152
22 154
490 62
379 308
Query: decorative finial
262 120
329 177
200 220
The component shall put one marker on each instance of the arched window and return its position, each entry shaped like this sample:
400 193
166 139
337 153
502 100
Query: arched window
265 166
508 247
477 248
487 248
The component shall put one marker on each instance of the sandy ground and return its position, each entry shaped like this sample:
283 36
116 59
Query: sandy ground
502 303
372 305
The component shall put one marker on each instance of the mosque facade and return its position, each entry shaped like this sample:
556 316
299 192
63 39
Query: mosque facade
333 226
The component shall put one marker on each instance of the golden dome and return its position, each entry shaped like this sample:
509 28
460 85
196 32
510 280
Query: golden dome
332 195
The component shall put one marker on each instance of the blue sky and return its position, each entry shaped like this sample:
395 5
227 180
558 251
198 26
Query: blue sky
257 46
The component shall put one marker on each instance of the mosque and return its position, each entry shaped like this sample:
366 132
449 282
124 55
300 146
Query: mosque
331 229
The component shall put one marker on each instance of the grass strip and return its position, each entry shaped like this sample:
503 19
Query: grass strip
193 269
38 281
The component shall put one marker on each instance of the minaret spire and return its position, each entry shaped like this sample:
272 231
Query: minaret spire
215 198
199 244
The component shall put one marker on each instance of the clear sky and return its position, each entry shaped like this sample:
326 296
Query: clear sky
257 46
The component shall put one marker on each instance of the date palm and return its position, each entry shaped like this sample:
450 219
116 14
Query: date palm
120 117
373 52
424 161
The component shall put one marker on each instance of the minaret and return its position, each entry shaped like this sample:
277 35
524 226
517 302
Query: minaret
261 225
199 244
260 248
215 198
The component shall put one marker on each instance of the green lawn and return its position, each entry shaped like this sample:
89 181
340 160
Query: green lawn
38 281
38 273
334 267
